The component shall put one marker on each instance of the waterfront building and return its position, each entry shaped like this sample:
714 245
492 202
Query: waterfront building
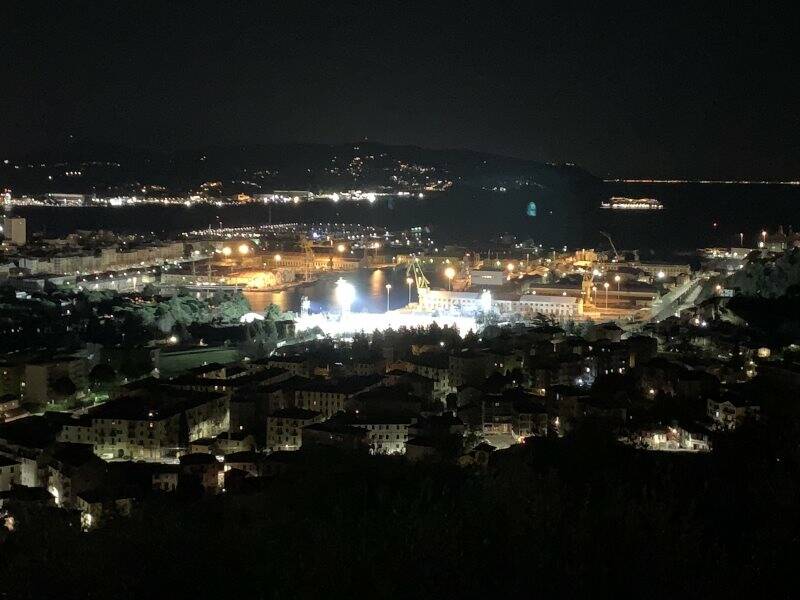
488 278
561 307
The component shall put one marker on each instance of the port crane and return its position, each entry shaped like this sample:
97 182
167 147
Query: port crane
415 272
610 241
308 249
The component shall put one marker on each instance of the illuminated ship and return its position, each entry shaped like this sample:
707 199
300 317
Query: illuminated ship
621 203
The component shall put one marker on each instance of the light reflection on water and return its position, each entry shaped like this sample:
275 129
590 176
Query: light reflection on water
370 287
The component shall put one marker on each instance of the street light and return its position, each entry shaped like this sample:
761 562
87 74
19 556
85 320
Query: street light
409 281
606 285
340 248
388 289
617 279
244 249
277 258
449 272
226 251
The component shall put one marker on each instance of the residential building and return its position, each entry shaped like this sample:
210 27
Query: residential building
40 376
285 427
10 473
386 434
204 469
730 411
14 230
71 470
329 397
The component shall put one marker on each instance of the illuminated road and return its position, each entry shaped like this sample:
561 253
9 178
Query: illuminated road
678 299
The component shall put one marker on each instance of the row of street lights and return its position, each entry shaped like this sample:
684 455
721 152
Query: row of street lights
409 281
606 285
243 249
346 294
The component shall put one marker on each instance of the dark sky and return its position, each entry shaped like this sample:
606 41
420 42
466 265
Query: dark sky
679 90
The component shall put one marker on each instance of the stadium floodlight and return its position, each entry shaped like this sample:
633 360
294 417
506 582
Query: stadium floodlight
345 295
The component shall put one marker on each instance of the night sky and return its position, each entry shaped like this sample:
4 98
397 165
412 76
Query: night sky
674 91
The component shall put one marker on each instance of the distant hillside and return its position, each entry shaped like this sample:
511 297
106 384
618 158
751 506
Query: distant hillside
85 167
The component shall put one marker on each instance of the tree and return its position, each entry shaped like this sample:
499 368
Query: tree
273 313
149 291
63 387
102 376
232 309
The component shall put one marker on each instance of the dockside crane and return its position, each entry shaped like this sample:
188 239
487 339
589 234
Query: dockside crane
415 271
610 241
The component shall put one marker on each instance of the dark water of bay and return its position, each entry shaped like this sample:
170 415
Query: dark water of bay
700 215
474 216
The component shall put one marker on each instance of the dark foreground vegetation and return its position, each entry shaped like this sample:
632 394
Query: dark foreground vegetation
574 517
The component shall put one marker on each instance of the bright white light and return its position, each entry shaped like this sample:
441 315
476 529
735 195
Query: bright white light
173 339
486 301
244 249
661 274
371 197
349 323
345 294
226 251
335 197
250 317
87 520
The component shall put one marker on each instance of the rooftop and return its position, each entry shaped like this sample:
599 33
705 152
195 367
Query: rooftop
7 462
161 404
301 414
